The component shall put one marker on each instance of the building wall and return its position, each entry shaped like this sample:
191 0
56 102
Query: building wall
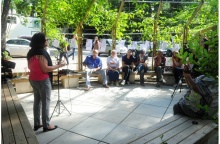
18 26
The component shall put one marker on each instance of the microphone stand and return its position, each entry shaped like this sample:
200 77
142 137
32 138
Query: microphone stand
178 85
59 102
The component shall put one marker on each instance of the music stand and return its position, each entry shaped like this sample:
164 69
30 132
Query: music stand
59 102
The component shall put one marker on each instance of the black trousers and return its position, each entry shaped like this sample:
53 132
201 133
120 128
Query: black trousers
65 56
127 71
178 74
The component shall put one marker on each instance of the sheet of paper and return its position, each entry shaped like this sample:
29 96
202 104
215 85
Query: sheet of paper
103 45
89 44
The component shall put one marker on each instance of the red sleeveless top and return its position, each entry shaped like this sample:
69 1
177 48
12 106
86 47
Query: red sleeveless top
36 72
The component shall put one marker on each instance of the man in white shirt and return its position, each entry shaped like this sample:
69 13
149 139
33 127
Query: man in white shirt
73 46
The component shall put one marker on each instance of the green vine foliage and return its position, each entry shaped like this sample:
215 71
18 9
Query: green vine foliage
206 59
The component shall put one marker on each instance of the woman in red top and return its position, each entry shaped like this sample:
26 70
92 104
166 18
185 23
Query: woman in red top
40 65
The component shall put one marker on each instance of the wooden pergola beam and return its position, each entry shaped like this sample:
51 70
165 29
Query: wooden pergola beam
155 30
185 28
114 28
79 34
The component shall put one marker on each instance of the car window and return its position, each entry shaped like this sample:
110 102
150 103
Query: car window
12 42
23 42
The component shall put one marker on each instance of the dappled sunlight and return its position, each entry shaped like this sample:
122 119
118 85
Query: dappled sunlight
156 101
94 128
113 115
150 110
124 105
121 132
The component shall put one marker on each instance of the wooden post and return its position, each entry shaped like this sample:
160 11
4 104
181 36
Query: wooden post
79 35
155 33
43 20
115 25
185 28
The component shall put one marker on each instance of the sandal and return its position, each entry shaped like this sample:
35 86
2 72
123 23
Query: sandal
37 127
88 88
49 129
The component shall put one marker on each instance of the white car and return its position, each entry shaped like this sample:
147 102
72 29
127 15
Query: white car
121 49
20 47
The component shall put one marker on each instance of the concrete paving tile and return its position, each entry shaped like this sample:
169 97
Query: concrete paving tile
83 108
68 93
173 103
121 132
140 121
168 114
72 138
29 114
137 95
102 100
162 93
46 137
27 106
157 101
68 121
94 128
150 110
134 99
113 115
26 97
123 105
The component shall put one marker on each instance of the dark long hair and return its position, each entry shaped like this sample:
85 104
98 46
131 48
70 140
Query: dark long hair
38 41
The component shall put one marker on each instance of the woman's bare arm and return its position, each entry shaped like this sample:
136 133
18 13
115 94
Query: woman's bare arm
191 82
44 66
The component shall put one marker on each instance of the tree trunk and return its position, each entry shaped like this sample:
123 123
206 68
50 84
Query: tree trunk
79 35
115 25
43 20
4 23
155 33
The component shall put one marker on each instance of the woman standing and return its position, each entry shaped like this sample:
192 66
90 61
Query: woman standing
113 67
96 44
40 65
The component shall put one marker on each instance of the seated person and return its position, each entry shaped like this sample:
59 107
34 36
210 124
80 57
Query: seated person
93 64
203 92
177 68
141 65
127 66
159 65
113 67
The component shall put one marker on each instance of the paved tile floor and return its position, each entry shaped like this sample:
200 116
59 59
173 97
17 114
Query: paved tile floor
104 115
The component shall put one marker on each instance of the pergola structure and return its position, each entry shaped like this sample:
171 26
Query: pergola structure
185 28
